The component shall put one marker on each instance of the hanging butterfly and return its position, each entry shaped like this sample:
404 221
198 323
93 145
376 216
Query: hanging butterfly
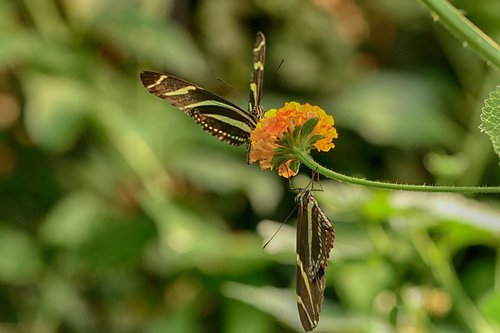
221 118
315 238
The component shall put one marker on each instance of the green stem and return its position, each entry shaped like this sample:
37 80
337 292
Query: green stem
313 165
464 30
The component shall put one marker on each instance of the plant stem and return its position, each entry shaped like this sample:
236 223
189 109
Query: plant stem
464 30
313 165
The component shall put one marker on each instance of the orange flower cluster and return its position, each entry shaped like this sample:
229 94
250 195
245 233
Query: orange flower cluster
268 137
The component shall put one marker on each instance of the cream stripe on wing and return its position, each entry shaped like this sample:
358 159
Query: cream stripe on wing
302 305
261 45
182 91
158 81
227 120
222 105
304 276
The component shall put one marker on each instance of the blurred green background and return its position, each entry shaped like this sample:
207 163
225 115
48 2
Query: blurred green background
118 214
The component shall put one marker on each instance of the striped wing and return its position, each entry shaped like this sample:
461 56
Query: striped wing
259 58
315 237
219 117
257 81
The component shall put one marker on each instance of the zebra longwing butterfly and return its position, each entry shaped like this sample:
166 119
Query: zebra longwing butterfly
315 237
221 118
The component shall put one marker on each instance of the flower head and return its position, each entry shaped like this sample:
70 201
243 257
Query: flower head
281 132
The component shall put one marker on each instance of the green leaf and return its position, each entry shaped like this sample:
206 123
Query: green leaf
286 140
279 303
384 113
295 134
280 159
72 221
295 165
312 140
243 318
489 305
117 244
55 110
20 260
309 126
368 286
490 118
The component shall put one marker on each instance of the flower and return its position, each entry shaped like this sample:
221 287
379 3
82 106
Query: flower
281 132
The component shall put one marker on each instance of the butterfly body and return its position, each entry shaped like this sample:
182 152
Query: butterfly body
315 238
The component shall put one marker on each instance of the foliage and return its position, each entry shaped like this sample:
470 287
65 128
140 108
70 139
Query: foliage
490 117
118 214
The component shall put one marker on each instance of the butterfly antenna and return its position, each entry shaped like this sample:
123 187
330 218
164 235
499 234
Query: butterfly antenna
275 233
279 228
273 77
230 86
279 66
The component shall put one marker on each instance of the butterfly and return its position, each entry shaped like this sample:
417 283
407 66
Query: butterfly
221 118
315 238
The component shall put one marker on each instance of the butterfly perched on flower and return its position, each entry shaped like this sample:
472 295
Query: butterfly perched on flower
221 118
315 238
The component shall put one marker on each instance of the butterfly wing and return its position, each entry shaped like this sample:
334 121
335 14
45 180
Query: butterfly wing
219 117
257 82
315 237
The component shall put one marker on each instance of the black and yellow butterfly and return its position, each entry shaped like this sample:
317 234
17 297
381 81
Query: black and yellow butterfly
221 118
315 238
